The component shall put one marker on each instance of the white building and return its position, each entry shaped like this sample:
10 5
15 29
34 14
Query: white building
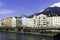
41 20
29 21
49 22
34 21
3 23
13 22
25 21
16 22
0 23
54 21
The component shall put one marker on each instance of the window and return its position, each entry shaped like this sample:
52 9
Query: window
39 24
34 21
39 17
44 18
44 24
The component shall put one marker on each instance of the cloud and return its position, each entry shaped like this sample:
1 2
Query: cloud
6 11
56 4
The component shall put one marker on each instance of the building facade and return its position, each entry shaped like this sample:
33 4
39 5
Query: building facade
8 21
30 23
25 21
41 20
3 23
38 21
0 23
49 22
13 22
34 21
16 22
54 21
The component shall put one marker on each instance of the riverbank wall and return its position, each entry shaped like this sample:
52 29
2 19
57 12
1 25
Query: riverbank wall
30 33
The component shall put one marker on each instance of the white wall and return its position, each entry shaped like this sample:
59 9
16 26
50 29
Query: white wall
49 22
35 21
3 23
25 21
13 22
42 20
56 21
0 23
30 22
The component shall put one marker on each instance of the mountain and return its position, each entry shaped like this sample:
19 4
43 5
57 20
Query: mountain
51 11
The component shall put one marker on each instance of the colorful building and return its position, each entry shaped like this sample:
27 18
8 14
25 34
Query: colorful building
3 23
8 21
13 22
18 21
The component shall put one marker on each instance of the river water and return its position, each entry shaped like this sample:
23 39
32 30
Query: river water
18 36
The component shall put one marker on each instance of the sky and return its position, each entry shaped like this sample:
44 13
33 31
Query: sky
11 8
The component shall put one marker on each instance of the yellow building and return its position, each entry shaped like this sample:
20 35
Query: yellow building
8 22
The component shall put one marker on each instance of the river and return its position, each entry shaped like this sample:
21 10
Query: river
18 36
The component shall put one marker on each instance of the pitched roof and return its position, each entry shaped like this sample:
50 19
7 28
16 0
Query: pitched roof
30 16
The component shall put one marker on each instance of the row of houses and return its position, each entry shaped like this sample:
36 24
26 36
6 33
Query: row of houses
40 20
11 22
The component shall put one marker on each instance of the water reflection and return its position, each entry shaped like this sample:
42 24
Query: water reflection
18 36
